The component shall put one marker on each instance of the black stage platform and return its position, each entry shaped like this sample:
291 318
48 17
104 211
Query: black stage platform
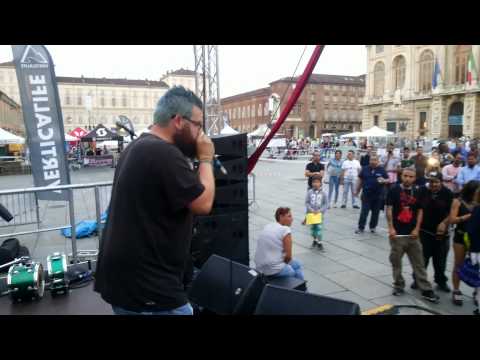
81 301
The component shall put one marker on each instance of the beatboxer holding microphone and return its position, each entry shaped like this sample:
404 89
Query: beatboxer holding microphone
145 248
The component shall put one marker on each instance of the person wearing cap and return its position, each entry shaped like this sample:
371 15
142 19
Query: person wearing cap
436 201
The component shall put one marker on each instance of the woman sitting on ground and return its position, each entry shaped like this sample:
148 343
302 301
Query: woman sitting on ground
273 256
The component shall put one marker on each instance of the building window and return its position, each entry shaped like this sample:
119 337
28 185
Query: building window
398 72
124 99
379 49
378 79
79 98
67 97
392 126
145 100
426 70
375 120
423 121
134 99
461 56
80 119
312 99
259 111
114 100
102 98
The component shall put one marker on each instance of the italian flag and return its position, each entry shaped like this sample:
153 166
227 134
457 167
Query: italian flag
471 68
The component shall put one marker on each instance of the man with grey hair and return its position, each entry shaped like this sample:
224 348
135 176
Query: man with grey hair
145 248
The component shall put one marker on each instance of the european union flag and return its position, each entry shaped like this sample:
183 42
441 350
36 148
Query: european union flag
436 72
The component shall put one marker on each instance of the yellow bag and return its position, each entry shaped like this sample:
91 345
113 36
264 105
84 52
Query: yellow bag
312 219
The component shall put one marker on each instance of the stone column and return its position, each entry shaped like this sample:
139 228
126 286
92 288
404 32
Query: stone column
442 62
469 115
439 118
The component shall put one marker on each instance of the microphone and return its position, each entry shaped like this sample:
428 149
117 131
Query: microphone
219 165
5 214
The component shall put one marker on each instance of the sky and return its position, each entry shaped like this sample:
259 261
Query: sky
241 67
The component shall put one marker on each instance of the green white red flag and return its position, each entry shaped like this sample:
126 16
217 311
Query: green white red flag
471 69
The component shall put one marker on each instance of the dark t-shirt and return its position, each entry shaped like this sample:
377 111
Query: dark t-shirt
370 185
420 165
436 207
145 247
312 167
405 206
365 160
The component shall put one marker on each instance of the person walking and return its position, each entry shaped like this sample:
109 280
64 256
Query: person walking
420 161
350 170
371 182
471 171
450 173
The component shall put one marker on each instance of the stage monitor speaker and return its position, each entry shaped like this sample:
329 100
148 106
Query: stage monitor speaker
231 145
231 194
280 301
225 287
224 235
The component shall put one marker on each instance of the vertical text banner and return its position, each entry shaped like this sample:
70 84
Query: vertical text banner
43 119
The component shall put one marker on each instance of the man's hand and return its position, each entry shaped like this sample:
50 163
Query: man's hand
392 233
414 234
441 228
205 147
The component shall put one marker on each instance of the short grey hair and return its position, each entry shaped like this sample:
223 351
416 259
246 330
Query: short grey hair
177 100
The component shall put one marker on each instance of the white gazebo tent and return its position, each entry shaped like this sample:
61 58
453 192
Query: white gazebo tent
355 134
9 138
227 130
260 132
375 131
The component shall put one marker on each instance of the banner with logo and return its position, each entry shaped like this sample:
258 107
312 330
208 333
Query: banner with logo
43 119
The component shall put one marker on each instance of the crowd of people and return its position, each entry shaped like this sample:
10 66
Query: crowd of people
425 199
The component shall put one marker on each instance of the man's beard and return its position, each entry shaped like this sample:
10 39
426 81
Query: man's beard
185 142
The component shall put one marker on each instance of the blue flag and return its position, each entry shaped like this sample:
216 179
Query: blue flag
436 72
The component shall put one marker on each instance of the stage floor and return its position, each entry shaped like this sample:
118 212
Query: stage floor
81 301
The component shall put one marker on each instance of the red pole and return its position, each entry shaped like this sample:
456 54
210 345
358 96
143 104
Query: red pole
302 81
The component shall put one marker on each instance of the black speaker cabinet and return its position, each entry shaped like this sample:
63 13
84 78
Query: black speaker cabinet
236 168
224 235
231 145
280 301
225 287
231 194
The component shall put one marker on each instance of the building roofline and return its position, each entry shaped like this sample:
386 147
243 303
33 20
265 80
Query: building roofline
252 93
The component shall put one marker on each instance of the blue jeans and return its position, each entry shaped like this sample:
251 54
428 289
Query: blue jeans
349 186
334 184
372 204
292 269
182 310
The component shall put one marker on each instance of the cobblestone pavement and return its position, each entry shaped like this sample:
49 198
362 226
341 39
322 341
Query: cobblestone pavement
352 267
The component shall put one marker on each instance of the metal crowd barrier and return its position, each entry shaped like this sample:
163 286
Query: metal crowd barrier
22 203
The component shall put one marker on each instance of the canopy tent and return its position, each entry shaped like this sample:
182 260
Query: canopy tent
227 130
9 138
375 131
78 132
328 134
260 132
351 135
101 133
71 138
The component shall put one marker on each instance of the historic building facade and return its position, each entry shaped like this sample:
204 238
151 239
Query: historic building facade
402 96
87 102
11 118
329 103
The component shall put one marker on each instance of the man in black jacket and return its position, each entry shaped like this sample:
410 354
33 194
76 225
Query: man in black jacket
436 201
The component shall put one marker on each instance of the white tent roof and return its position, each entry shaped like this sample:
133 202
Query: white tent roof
261 130
9 138
375 131
351 135
69 137
227 130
